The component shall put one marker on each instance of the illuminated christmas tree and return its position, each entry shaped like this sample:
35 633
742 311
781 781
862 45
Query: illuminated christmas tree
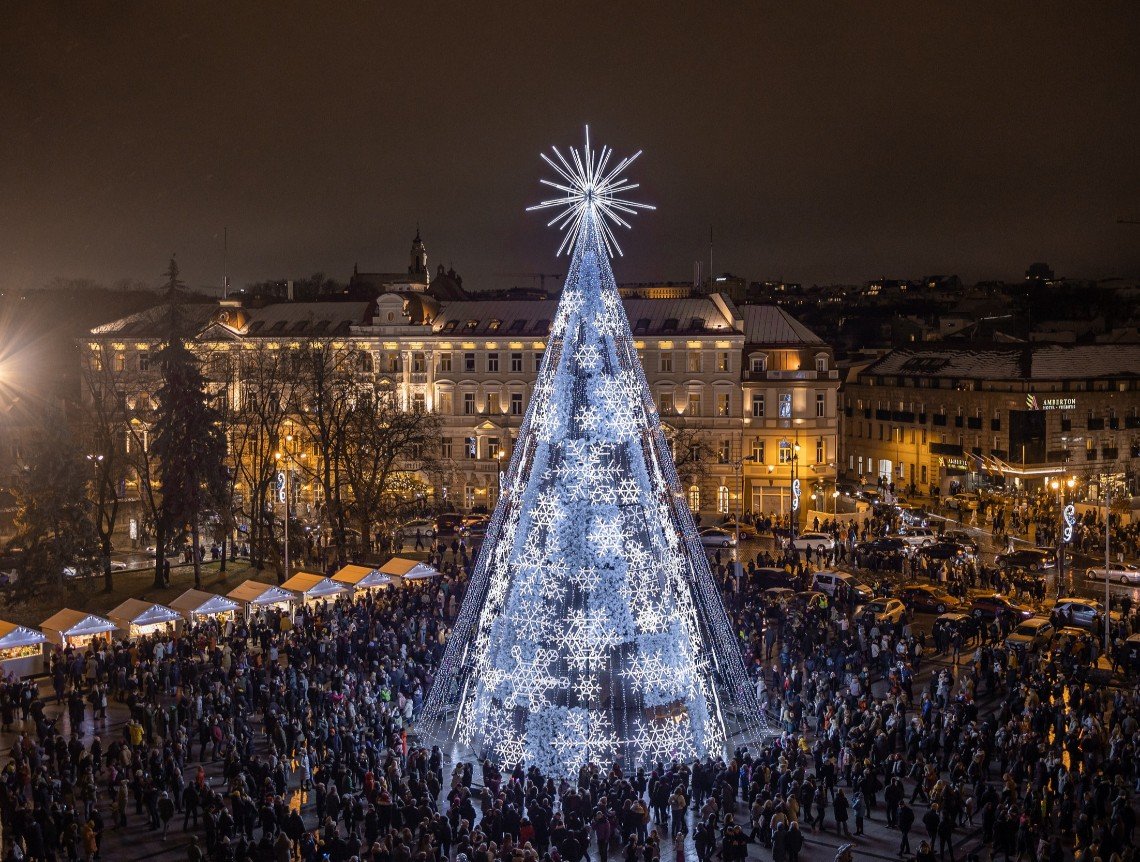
592 629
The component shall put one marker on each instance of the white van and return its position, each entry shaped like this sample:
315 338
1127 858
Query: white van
827 582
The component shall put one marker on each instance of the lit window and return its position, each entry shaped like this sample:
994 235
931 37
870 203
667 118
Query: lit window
665 404
821 364
723 404
694 361
820 451
758 451
694 404
666 362
785 405
694 498
723 363
445 362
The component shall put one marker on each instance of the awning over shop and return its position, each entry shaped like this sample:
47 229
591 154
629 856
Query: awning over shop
315 586
362 577
200 603
70 623
409 570
258 594
136 612
12 636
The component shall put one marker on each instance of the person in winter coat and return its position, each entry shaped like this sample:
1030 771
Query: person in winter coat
794 842
165 811
905 822
858 808
841 808
780 843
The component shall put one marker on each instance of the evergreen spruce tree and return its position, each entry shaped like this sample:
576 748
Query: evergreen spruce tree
188 442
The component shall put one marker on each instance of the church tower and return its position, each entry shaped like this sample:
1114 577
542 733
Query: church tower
418 269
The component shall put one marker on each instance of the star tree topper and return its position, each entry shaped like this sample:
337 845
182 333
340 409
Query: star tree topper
590 186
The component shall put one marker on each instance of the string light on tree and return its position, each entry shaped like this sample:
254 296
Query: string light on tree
592 628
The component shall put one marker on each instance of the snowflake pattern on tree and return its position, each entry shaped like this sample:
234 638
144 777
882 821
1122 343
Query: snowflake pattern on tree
592 629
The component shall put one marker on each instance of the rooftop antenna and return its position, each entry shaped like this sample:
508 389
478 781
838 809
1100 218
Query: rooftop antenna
225 263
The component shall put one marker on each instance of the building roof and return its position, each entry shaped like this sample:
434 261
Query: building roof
140 613
1005 362
13 635
527 318
312 586
362 576
276 320
412 570
257 593
202 602
770 324
72 622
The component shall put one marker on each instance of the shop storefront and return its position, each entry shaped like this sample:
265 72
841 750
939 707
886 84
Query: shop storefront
315 588
197 606
135 618
76 629
255 597
21 650
402 570
362 578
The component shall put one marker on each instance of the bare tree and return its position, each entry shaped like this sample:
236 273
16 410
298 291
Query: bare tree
104 413
386 446
692 452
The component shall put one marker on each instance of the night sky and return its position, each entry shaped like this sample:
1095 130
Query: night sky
821 142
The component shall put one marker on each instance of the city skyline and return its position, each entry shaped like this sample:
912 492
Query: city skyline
816 148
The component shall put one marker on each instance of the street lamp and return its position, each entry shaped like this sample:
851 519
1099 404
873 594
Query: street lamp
287 457
1065 523
499 473
795 488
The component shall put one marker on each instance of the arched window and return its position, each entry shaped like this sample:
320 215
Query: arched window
695 498
722 500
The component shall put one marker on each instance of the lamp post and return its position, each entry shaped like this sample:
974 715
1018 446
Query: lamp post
499 473
286 458
1107 569
1065 533
795 488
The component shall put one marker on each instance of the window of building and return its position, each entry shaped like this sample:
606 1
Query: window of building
665 404
471 325
494 325
923 473
786 452
516 404
493 448
445 362
418 365
724 452
468 403
666 360
820 451
694 408
923 436
144 361
469 362
444 403
418 402
516 363
723 362
471 448
537 360
821 364
758 451
695 498
445 448
722 499
393 363
759 363
820 404
120 362
492 362
694 362
364 362
785 405
492 403
723 403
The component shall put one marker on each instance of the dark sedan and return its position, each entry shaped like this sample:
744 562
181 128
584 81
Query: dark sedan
942 551
988 607
955 622
883 545
1033 559
962 538
927 598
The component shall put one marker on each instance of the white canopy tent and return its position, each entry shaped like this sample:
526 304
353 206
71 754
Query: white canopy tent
257 596
75 628
136 617
21 650
198 604
404 569
314 588
362 577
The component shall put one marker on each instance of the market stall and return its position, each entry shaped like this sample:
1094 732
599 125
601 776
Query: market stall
362 578
136 618
76 628
256 596
316 588
401 570
21 650
197 606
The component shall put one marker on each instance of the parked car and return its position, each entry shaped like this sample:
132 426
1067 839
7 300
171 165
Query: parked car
813 541
927 598
1031 635
717 537
828 582
942 551
988 607
777 595
1033 559
1080 612
766 578
1121 573
880 611
883 545
917 537
476 527
747 531
423 526
1075 642
956 622
913 516
961 537
448 524
963 502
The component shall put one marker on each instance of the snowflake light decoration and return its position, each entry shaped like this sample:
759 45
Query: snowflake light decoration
589 185
592 628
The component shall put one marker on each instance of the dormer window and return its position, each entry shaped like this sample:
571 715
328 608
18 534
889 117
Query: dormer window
758 364
821 363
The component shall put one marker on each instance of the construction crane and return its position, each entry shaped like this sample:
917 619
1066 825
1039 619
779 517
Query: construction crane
541 276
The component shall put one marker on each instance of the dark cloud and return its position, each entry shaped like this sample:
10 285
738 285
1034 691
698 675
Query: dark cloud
819 141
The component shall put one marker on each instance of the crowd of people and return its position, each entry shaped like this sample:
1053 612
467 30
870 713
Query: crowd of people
293 737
